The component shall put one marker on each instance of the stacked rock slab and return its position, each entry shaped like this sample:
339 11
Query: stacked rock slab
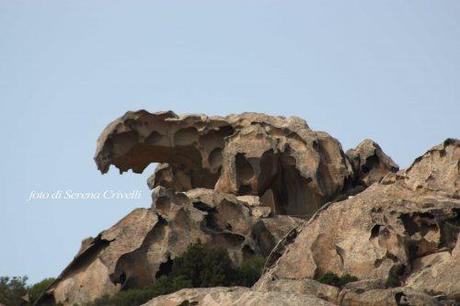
406 226
239 181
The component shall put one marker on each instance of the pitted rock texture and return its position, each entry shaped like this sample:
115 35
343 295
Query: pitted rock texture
239 181
370 163
408 225
235 296
248 154
140 247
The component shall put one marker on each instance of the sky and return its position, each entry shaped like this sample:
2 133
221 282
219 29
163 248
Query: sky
385 70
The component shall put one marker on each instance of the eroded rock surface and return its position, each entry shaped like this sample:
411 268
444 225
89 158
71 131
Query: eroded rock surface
407 226
139 249
370 163
235 296
241 182
248 154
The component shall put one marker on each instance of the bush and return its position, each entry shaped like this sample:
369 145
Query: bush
329 278
12 290
15 292
332 279
199 266
347 278
250 271
36 290
204 266
393 279
135 297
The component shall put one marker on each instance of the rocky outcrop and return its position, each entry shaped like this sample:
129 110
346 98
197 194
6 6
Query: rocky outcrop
240 181
235 296
275 158
140 248
387 297
405 227
370 163
304 286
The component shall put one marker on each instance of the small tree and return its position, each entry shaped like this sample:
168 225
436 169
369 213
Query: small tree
36 290
204 266
12 290
250 271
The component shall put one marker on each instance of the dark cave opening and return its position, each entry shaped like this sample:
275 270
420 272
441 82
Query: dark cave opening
165 268
291 191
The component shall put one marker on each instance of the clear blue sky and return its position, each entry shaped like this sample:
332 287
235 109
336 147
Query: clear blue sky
387 70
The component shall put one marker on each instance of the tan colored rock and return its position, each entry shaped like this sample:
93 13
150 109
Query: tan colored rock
300 286
90 274
234 296
292 168
386 297
438 273
239 182
437 171
410 220
370 163
138 248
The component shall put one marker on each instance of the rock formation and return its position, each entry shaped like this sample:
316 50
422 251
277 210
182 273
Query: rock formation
370 163
138 249
236 296
405 227
295 169
244 182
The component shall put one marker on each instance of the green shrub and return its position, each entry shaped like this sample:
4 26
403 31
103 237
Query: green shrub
15 292
250 271
36 290
333 279
199 266
347 278
329 278
393 279
205 266
135 297
12 290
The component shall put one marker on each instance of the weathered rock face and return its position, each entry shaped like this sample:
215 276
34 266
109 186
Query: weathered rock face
140 247
305 286
275 158
387 297
408 224
235 296
370 163
237 181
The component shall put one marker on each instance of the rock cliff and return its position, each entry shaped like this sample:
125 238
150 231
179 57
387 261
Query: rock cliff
265 185
404 227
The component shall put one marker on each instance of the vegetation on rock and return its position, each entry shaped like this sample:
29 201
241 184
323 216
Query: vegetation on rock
393 279
14 291
200 266
333 279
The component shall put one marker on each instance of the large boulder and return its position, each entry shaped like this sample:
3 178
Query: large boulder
305 286
235 296
387 297
405 227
